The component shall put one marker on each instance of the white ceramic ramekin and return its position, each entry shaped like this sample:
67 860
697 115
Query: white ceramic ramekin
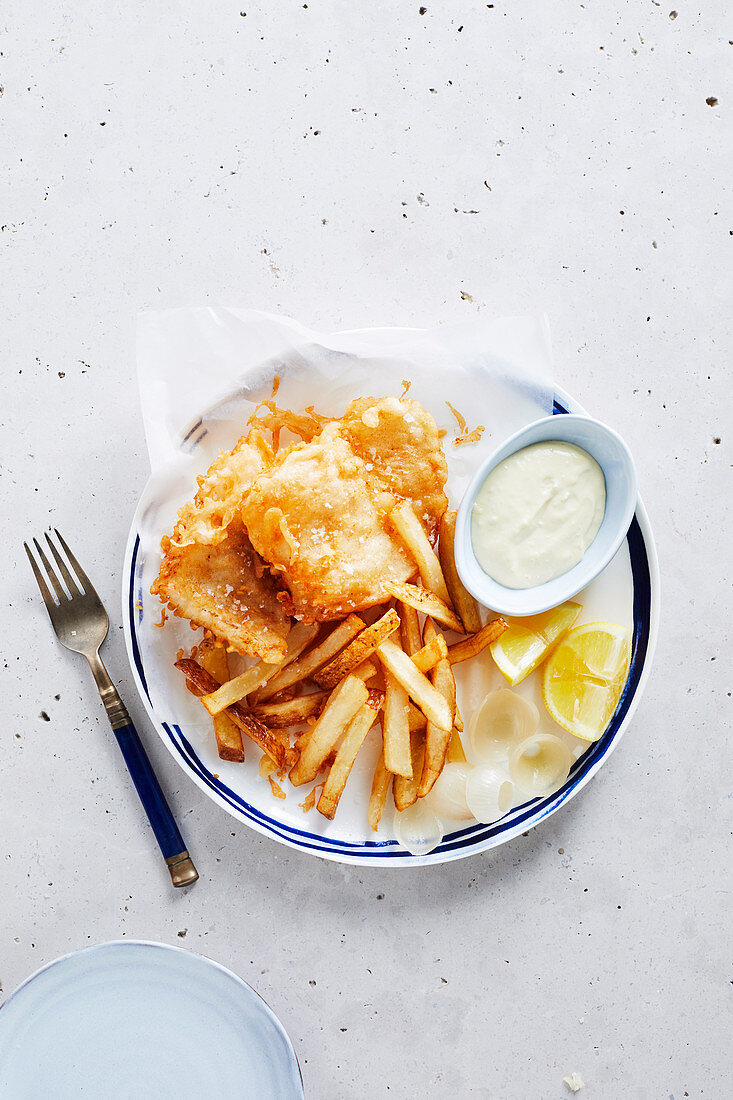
614 458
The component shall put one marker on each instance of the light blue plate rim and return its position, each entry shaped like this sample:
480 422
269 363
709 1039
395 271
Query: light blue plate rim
100 948
463 842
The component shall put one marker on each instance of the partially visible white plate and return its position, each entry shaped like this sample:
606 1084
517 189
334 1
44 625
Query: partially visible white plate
130 1020
626 592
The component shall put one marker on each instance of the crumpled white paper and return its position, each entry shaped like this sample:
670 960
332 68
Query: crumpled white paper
190 361
201 374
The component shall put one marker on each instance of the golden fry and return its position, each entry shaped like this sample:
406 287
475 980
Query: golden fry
431 653
436 738
358 650
412 533
342 705
461 598
365 670
404 789
409 629
244 719
290 712
315 659
395 727
416 684
428 603
333 788
471 646
416 720
238 688
228 737
249 681
455 754
378 797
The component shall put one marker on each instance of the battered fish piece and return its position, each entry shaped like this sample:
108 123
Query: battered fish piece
316 521
398 440
220 492
226 588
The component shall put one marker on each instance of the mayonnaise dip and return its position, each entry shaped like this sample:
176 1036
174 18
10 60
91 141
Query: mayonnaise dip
537 513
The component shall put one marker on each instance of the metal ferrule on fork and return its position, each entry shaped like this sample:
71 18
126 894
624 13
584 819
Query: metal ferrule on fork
108 693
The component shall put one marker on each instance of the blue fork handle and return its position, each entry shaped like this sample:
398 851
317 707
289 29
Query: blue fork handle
180 864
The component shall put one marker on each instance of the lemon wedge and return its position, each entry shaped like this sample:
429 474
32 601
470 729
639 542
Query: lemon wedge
583 679
527 642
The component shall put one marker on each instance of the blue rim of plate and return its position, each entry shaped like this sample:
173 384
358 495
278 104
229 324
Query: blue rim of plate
463 842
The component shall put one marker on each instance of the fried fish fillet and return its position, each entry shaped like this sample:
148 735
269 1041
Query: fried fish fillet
226 588
398 441
325 530
206 518
210 573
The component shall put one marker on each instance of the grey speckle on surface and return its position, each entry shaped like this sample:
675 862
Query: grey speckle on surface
201 189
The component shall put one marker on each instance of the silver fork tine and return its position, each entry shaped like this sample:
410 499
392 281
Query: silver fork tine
40 581
57 586
70 582
85 582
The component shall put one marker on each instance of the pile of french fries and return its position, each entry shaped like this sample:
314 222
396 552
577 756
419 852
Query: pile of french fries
311 712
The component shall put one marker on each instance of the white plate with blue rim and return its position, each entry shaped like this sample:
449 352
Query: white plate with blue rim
626 592
130 1019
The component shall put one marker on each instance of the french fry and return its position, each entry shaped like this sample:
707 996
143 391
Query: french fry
409 629
416 684
268 741
239 688
290 712
378 797
395 727
302 740
428 603
249 681
228 736
471 646
461 598
416 720
358 650
404 789
429 632
341 707
458 720
365 670
437 739
455 754
431 653
315 659
411 531
333 788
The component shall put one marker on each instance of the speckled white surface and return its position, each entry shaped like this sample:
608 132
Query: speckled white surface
355 165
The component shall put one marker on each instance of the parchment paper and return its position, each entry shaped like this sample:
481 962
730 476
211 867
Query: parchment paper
201 374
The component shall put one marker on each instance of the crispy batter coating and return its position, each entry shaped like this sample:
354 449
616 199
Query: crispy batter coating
226 588
398 440
320 525
205 519
316 515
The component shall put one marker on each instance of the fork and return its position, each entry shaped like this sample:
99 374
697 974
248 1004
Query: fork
81 624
